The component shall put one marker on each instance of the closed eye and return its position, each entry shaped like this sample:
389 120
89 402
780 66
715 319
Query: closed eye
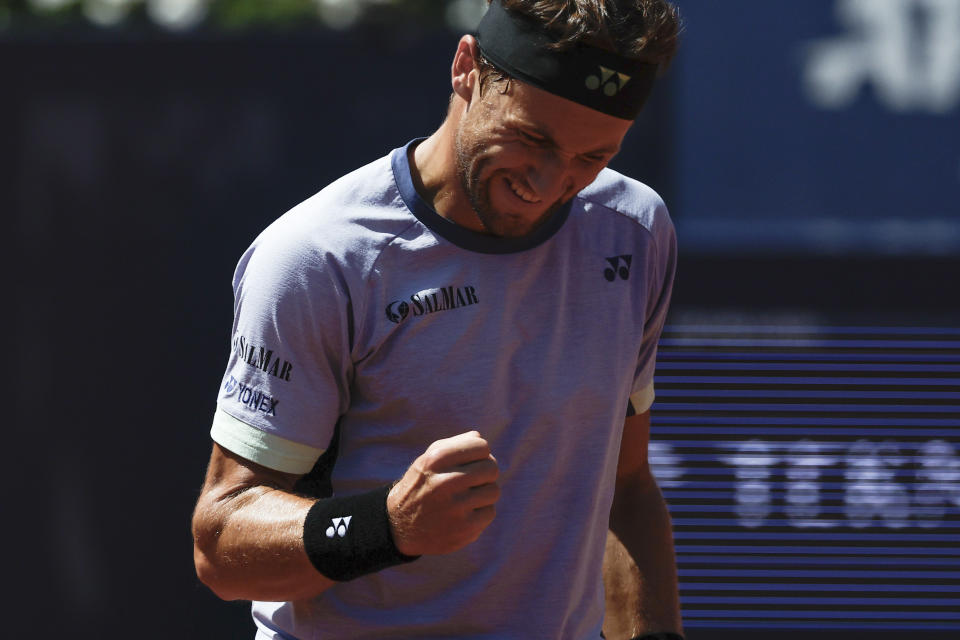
529 137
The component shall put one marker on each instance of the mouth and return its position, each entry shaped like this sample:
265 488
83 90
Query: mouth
522 193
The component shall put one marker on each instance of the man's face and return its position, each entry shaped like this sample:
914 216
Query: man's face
524 152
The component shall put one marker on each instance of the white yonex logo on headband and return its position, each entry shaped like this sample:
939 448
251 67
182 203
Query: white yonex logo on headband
339 527
611 85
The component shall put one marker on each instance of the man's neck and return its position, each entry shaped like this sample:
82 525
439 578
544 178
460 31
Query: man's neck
433 170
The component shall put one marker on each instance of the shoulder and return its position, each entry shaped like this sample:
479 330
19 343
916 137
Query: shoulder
342 228
613 193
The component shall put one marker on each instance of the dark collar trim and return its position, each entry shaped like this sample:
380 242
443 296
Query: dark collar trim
461 236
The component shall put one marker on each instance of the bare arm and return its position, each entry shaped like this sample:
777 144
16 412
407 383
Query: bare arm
248 533
639 566
248 525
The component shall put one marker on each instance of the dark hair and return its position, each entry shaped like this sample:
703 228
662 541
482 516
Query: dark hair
647 30
489 73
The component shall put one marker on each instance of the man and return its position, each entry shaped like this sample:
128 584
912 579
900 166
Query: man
421 430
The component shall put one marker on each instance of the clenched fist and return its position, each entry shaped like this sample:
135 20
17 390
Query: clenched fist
446 498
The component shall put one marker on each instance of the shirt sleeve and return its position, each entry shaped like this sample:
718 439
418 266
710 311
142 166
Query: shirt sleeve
642 400
662 266
262 447
287 377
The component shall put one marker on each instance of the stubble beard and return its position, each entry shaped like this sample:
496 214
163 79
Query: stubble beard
477 195
469 169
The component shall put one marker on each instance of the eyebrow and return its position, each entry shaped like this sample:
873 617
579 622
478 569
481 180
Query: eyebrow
549 138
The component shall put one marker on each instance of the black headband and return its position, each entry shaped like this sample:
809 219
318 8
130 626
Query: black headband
593 77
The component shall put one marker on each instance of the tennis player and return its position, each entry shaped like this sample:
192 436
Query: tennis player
435 414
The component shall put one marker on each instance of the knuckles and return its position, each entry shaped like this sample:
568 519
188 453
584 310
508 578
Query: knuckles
432 459
450 490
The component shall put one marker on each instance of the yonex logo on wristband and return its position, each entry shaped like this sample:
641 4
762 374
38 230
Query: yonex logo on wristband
366 550
339 527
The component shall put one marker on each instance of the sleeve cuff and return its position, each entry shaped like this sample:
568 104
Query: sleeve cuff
642 400
259 446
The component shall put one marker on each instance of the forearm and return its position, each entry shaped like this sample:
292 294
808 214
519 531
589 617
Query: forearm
248 526
249 546
640 575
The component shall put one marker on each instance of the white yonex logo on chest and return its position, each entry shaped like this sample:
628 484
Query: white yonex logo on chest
339 527
608 80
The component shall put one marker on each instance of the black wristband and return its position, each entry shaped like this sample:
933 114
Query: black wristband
663 635
350 537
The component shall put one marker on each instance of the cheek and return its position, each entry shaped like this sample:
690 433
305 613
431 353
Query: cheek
491 155
505 154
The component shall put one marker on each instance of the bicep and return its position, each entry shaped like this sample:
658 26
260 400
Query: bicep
229 474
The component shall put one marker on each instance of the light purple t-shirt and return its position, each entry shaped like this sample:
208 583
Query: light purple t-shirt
363 311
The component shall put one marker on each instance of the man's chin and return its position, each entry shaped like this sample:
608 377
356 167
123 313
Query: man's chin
511 224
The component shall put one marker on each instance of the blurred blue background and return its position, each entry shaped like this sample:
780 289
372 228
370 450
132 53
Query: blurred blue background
824 128
810 155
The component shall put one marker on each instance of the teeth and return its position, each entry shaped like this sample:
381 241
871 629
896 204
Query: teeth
526 196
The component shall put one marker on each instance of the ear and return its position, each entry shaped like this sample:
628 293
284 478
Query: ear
463 74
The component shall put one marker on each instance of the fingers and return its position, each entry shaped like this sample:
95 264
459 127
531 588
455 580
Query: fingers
458 450
446 498
473 474
481 497
482 517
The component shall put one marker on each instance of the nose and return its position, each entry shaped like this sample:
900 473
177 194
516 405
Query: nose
549 174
